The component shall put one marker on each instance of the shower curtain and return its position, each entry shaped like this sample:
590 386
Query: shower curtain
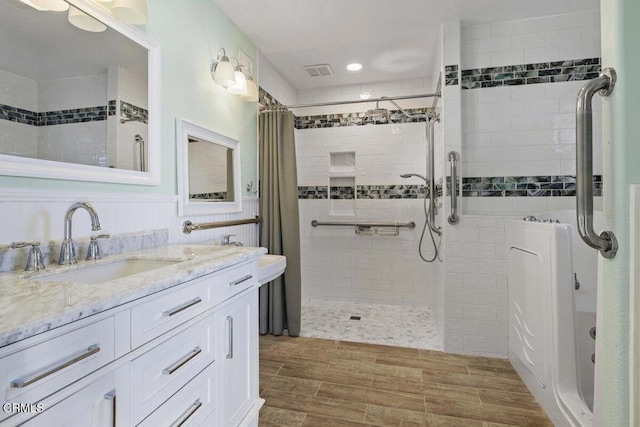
280 300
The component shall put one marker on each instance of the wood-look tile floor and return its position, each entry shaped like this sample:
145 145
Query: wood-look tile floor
310 382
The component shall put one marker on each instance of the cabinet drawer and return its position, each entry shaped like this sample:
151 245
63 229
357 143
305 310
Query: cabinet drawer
93 406
193 405
158 315
159 373
38 371
234 281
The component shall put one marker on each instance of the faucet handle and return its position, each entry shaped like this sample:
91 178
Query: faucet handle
34 260
226 239
93 252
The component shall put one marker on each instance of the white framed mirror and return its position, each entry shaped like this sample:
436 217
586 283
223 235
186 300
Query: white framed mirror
208 171
75 104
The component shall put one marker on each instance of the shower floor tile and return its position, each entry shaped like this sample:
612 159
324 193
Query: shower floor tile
391 325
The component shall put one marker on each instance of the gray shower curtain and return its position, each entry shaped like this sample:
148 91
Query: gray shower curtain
280 300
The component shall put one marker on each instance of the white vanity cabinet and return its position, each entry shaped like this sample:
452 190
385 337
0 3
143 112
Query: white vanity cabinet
237 357
187 354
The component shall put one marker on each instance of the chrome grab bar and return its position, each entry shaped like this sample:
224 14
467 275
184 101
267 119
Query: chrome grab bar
606 242
188 226
453 161
411 224
432 173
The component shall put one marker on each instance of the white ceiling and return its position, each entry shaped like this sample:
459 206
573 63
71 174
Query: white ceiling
393 39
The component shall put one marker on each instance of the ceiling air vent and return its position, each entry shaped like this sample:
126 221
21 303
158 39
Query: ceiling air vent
319 70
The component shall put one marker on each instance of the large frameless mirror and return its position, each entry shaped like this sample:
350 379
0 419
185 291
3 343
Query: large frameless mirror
77 104
208 171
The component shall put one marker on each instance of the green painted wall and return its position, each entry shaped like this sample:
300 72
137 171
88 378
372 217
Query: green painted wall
621 32
190 33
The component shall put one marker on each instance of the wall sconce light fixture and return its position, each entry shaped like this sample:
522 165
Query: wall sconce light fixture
237 80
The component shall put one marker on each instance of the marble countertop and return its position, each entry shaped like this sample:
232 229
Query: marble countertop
31 305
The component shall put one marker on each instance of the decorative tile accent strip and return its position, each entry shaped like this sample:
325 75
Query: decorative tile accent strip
313 192
133 112
451 75
524 186
544 72
221 195
391 191
359 119
59 117
266 100
342 192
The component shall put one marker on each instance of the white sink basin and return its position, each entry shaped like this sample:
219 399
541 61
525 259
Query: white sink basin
100 273
270 267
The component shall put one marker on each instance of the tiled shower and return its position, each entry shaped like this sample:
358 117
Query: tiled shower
508 107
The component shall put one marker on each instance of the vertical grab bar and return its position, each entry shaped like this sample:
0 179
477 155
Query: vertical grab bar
431 121
606 242
453 160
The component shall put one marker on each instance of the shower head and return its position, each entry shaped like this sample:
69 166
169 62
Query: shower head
382 113
409 175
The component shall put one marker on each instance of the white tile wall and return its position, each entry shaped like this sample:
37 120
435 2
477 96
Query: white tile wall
337 263
550 38
17 138
509 131
476 292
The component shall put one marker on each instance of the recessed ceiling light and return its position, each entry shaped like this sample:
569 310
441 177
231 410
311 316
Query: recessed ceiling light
354 67
365 95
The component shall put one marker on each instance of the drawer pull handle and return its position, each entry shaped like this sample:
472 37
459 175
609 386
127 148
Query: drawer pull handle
24 382
111 396
171 369
230 323
244 279
181 307
187 414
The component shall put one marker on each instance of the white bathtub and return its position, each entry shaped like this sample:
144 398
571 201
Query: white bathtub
549 320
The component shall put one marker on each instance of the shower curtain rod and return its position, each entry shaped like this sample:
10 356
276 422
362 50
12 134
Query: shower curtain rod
359 101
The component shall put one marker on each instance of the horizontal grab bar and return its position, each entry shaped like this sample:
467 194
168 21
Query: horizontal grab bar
188 226
316 223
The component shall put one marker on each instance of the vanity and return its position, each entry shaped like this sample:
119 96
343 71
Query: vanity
174 344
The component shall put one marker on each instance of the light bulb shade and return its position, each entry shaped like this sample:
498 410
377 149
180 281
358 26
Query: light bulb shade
130 11
85 22
252 92
55 5
223 73
240 86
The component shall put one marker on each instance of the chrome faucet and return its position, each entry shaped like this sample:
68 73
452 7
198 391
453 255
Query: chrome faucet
68 250
226 241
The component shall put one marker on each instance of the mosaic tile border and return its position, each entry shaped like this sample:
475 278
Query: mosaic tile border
359 119
451 75
220 195
313 192
497 186
57 117
525 186
133 112
526 74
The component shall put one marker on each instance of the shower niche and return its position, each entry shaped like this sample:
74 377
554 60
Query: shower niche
342 183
